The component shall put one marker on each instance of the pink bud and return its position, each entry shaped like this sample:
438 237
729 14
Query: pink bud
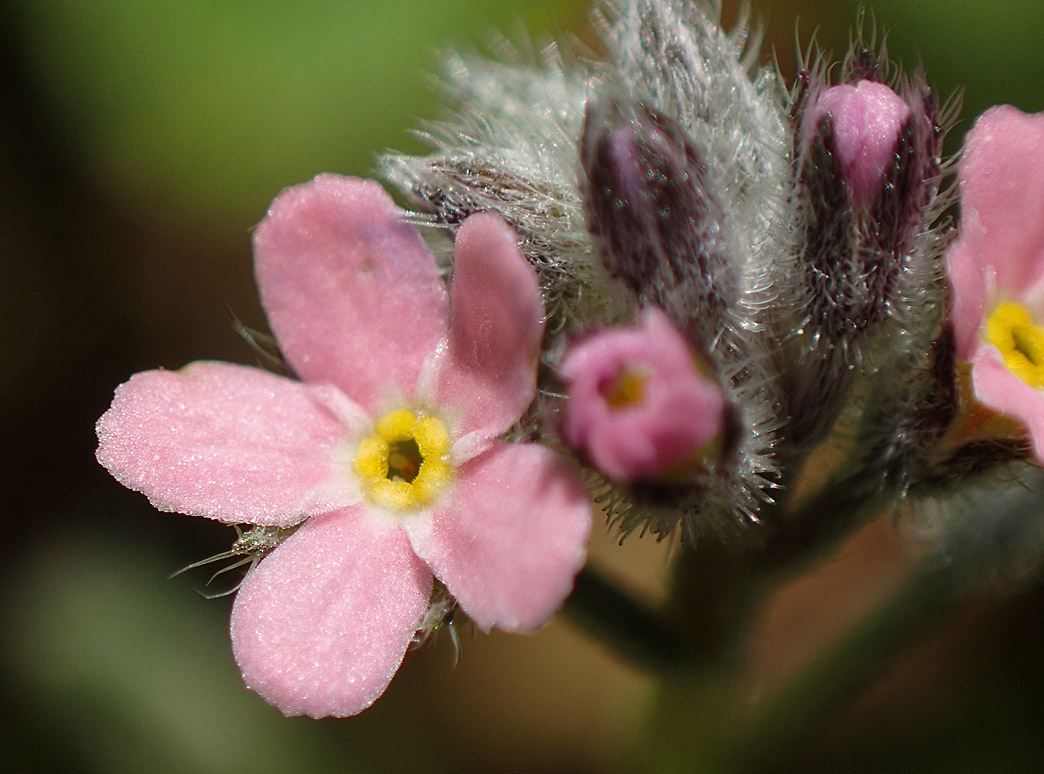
866 121
639 407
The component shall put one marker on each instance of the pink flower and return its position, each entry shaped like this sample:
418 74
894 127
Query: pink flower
996 266
386 453
866 120
638 405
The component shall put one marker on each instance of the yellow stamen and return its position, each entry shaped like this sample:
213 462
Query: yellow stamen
371 458
1012 329
625 389
404 464
397 425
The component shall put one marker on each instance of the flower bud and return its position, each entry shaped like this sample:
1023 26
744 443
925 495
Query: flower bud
654 214
866 184
866 122
867 171
639 407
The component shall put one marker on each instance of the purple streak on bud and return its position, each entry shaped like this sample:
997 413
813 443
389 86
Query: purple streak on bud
828 229
639 407
866 123
912 179
658 224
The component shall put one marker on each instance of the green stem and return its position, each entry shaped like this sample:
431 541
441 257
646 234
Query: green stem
645 636
716 592
786 723
702 720
716 585
822 520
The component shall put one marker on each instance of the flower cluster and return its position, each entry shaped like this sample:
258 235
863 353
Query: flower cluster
790 236
672 278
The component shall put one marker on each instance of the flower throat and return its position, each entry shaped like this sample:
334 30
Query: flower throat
1012 329
404 463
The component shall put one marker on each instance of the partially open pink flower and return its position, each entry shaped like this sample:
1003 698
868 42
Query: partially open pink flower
996 266
386 454
639 407
867 119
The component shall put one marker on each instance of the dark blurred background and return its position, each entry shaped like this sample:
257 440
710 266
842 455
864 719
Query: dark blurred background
139 144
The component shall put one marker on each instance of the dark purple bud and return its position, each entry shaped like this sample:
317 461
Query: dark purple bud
657 222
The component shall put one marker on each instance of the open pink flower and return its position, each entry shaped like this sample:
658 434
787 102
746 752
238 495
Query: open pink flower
386 453
638 405
996 266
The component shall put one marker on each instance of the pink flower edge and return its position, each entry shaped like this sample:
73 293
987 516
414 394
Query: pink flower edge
227 442
320 626
997 388
513 496
340 271
1002 196
496 326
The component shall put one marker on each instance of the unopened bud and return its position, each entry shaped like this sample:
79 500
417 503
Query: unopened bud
639 407
654 215
867 177
866 123
867 173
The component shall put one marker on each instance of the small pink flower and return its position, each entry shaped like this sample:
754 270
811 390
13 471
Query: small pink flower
866 120
996 266
638 405
386 453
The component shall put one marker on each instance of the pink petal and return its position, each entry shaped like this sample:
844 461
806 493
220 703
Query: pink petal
228 442
866 121
999 389
321 625
489 374
1002 183
966 272
511 541
351 291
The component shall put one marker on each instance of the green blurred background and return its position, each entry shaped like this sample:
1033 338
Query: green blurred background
140 143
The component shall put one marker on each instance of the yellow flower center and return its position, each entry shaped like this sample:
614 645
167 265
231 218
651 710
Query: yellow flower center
1012 329
404 464
625 389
